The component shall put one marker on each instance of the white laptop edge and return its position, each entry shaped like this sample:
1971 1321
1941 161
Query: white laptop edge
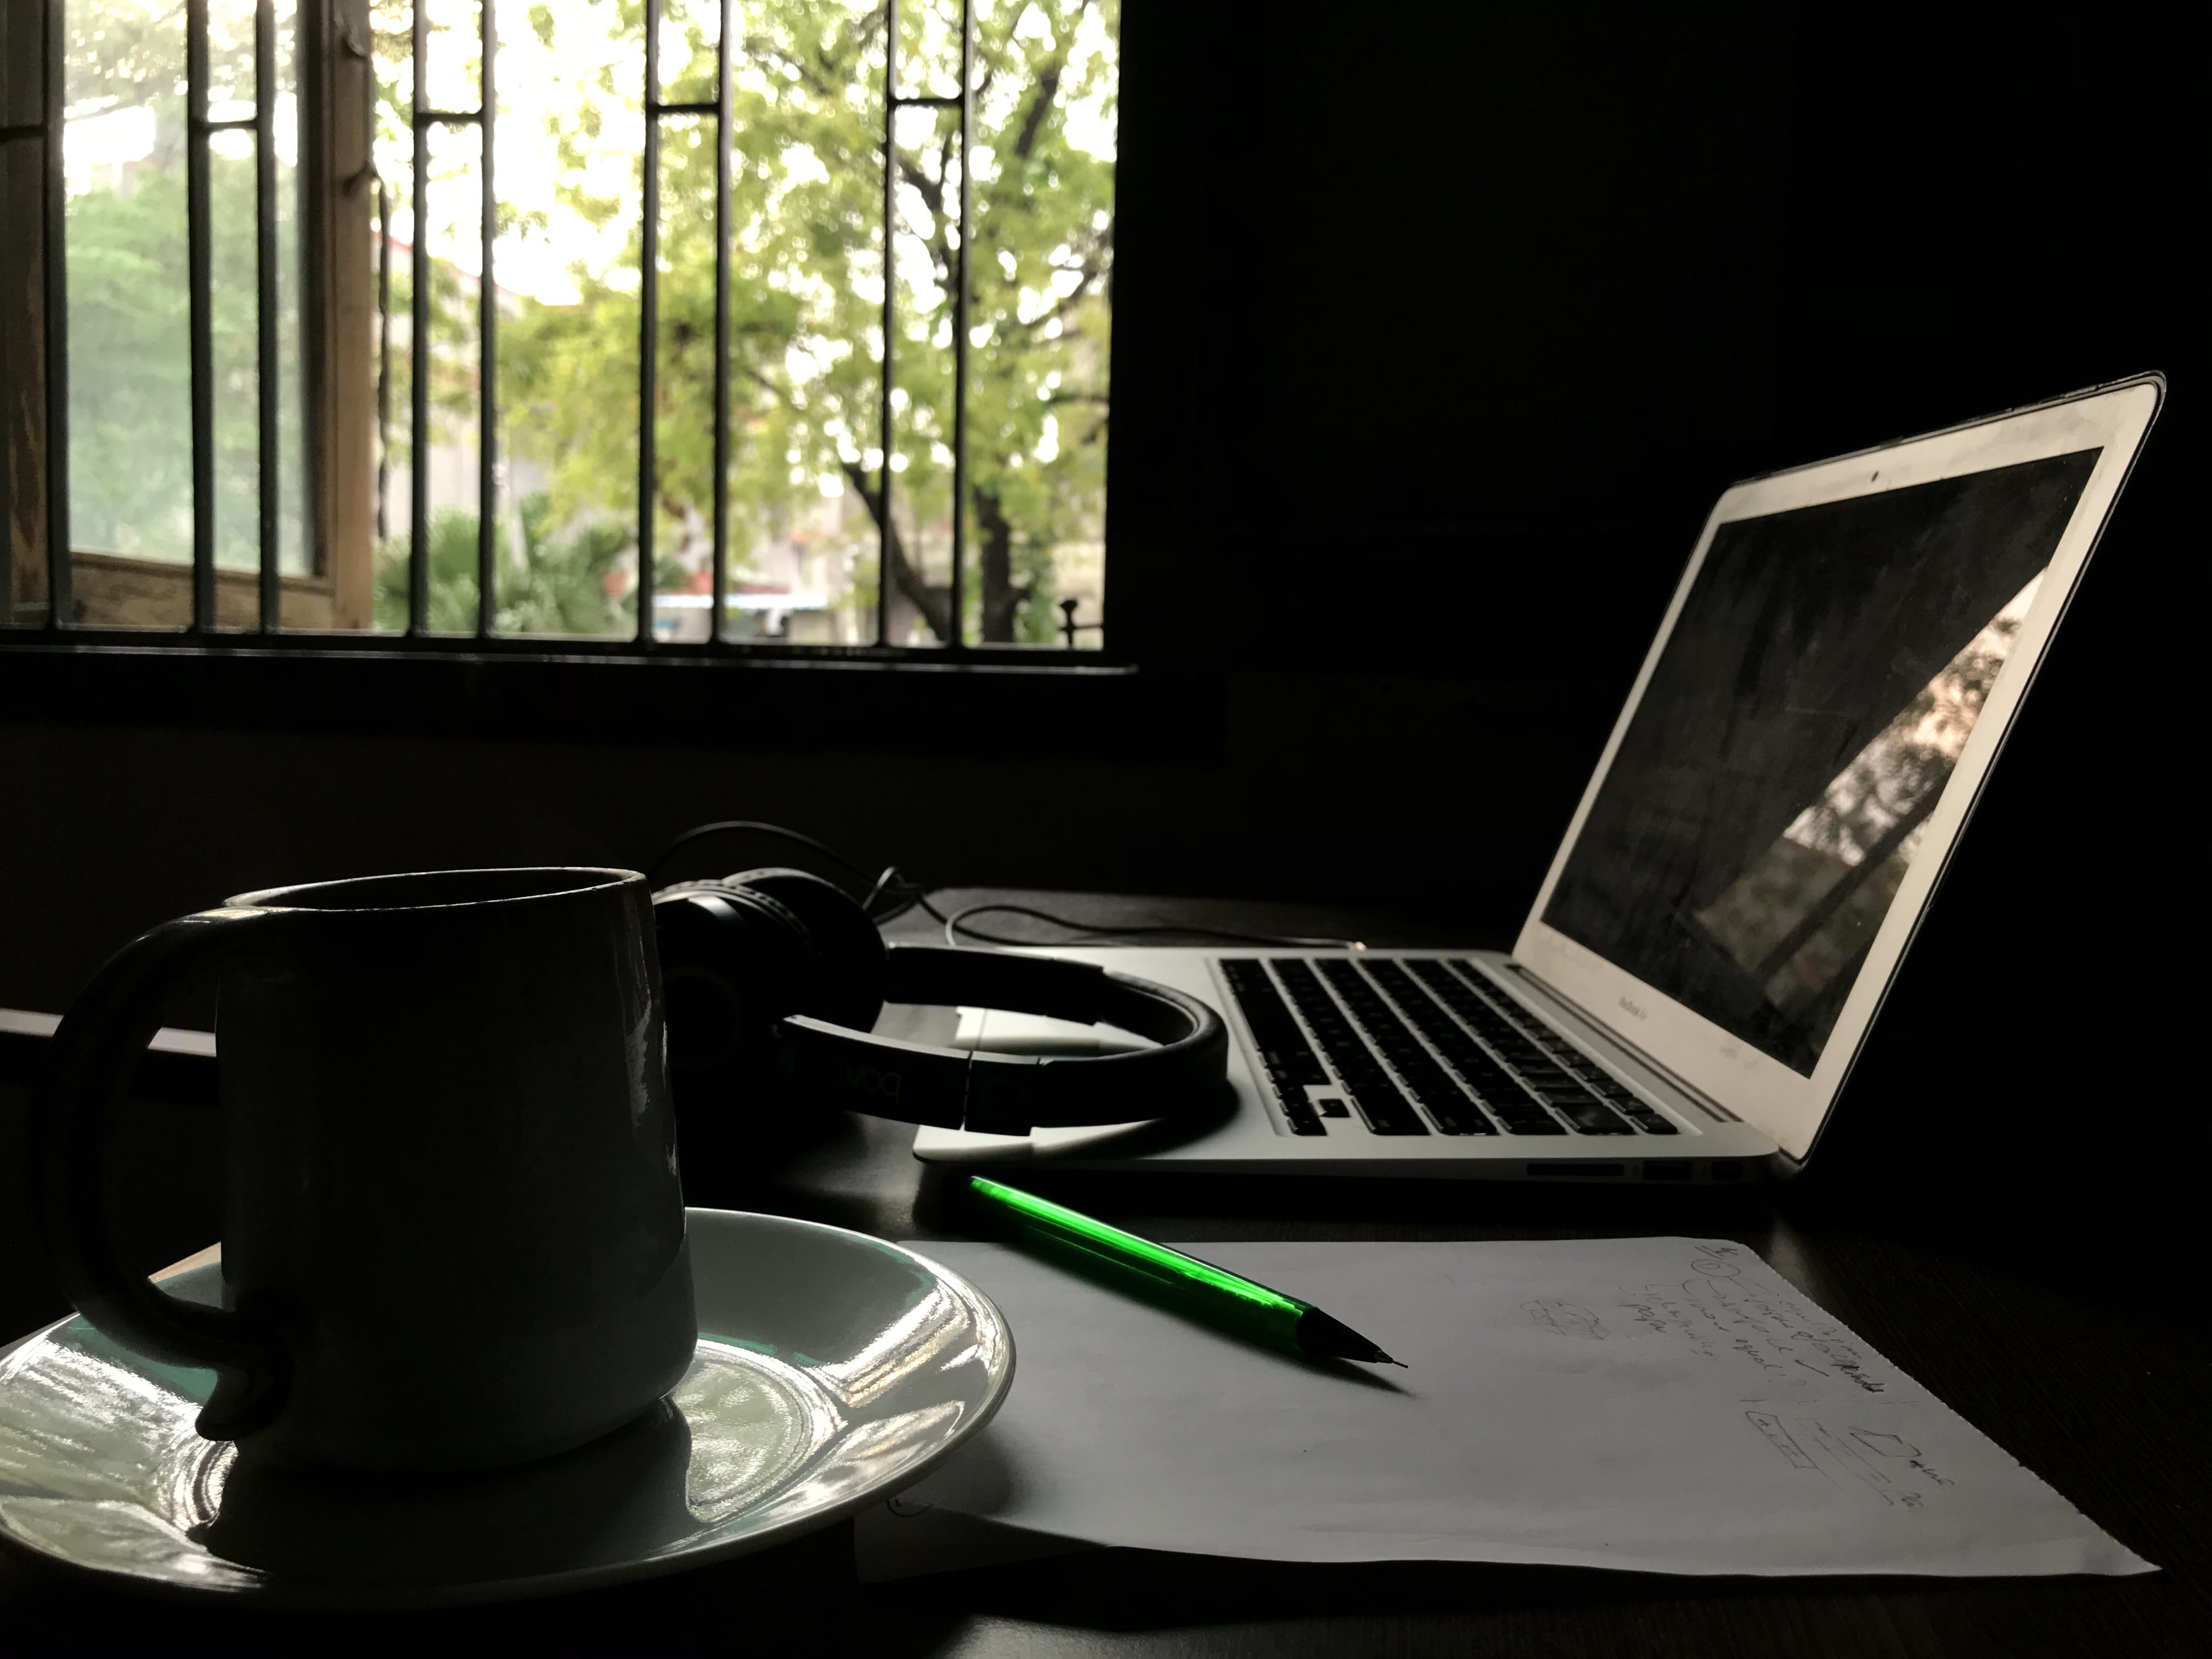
1703 1057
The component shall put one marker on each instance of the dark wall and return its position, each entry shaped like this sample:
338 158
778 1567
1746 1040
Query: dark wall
1437 330
1516 289
1465 319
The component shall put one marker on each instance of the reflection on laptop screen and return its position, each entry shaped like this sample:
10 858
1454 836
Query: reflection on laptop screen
1818 687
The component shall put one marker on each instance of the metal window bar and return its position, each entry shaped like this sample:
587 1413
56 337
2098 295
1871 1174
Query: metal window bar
487 346
265 303
717 611
421 119
648 327
199 256
964 101
61 601
383 356
10 131
960 333
319 32
45 131
418 340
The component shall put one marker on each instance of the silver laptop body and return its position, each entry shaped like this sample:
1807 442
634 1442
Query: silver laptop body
1800 752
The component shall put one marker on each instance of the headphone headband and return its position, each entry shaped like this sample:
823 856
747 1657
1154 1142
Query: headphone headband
1012 1094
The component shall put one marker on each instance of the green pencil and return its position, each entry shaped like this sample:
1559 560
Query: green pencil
1215 1293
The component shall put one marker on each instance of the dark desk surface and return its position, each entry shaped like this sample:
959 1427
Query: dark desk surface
2063 1341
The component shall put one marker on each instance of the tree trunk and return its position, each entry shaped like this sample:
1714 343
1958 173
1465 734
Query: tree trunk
934 604
1002 599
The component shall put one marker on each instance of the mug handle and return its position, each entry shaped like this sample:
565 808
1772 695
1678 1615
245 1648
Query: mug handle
95 1052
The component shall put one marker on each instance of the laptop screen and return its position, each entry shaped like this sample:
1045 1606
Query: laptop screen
1771 789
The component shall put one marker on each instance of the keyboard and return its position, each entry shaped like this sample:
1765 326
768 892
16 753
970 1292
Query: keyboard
1420 1047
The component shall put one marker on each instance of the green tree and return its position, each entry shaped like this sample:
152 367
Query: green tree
806 291
559 584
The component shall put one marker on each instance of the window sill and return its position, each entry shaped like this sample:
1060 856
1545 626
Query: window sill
1045 703
114 590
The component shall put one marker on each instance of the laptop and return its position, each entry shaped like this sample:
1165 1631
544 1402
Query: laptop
1800 752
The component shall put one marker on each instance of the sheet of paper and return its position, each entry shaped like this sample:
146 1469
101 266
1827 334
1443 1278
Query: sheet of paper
1667 1405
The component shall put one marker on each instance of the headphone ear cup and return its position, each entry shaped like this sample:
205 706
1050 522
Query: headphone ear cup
846 986
733 963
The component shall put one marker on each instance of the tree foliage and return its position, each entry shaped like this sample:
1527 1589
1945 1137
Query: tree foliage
807 270
807 286
130 308
557 582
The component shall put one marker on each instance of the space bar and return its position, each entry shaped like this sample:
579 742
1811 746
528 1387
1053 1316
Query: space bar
1386 1112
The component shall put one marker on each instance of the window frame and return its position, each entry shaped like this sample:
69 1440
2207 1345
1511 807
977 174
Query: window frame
339 211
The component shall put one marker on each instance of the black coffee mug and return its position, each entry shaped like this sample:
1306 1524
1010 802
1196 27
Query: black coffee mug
452 1228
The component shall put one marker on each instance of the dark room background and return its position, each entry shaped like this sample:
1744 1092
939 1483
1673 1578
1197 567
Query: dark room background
1437 330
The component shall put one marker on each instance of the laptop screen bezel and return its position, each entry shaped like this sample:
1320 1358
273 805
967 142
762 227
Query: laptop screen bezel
1729 1071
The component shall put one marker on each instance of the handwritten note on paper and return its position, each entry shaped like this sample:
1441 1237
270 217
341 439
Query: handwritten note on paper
1667 1405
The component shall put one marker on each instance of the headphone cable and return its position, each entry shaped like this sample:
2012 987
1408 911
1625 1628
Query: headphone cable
903 895
957 923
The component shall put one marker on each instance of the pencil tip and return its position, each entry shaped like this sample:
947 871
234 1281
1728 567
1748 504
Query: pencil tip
1386 1359
1319 1333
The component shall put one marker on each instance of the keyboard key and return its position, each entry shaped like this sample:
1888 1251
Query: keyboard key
1550 1085
1287 1056
1590 1115
1637 1111
1552 1074
1418 1071
1454 1108
1493 1086
1386 1110
1377 1100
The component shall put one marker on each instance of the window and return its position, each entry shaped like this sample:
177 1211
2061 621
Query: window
353 310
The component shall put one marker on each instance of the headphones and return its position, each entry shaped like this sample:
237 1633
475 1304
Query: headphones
773 978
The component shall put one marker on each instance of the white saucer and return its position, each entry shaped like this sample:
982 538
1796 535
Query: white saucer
833 1370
